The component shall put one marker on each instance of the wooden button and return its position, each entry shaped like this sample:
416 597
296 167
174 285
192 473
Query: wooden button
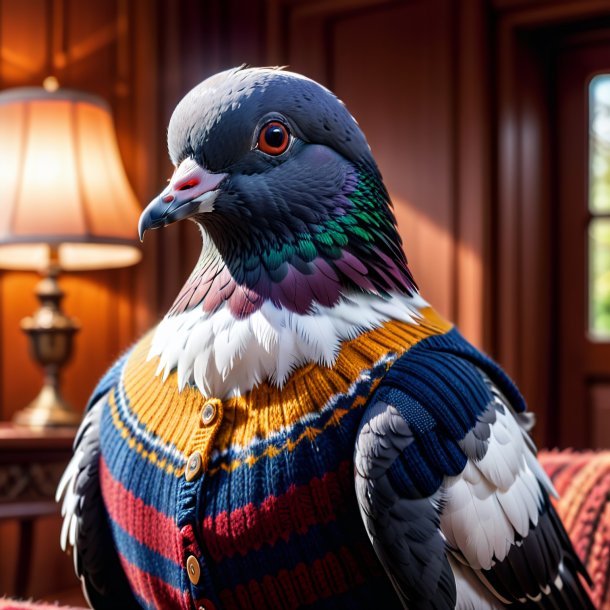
193 466
209 411
193 569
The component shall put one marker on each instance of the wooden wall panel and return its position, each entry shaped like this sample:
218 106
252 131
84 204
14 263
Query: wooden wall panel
23 41
141 122
472 158
522 282
20 376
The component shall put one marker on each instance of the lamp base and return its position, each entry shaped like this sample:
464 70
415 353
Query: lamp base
47 409
51 333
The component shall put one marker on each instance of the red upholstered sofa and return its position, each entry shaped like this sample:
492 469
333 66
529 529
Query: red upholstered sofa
583 482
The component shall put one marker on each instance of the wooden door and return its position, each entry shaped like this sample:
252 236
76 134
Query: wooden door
582 267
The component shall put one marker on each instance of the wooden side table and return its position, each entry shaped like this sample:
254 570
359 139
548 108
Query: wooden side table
31 464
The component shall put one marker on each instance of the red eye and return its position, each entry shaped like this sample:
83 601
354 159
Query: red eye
273 138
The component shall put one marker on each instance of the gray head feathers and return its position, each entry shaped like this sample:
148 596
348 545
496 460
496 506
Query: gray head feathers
214 124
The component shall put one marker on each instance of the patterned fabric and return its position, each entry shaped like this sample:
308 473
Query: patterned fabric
270 518
583 483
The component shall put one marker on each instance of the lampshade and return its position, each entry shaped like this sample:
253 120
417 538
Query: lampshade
62 183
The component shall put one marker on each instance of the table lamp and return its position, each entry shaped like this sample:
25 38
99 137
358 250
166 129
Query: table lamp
65 204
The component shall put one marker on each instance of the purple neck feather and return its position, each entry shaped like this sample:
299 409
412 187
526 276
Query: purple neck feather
211 284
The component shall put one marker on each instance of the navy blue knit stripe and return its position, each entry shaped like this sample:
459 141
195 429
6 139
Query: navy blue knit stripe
419 471
283 555
463 382
152 484
412 477
453 343
273 476
451 390
439 390
438 374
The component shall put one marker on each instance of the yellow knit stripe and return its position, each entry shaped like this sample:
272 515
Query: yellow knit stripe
171 415
308 433
266 409
136 445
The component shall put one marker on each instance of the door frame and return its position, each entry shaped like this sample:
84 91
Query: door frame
584 361
528 33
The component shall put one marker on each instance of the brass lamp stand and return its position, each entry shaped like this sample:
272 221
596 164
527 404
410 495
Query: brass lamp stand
73 129
51 335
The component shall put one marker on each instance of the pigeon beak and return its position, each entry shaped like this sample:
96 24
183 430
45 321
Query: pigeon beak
191 190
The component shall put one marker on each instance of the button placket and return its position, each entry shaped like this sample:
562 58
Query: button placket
201 445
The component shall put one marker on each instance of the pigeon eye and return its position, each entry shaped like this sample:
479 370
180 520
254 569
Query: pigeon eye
273 138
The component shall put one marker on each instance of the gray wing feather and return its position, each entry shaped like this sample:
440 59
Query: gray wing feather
85 529
404 531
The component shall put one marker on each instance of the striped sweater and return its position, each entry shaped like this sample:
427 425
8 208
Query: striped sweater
248 502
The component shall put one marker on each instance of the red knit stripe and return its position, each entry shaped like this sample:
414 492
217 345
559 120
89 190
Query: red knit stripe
141 521
278 517
152 589
303 585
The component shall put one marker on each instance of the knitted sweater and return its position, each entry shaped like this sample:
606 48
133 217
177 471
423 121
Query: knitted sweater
247 503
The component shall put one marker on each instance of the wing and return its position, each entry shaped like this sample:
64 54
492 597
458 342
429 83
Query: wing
452 496
85 531
518 547
404 528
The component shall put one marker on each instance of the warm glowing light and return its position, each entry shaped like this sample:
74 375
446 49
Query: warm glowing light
50 83
63 183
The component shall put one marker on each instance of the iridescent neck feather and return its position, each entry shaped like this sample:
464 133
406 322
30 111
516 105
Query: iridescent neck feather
311 256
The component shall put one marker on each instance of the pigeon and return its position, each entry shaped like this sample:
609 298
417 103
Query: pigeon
302 429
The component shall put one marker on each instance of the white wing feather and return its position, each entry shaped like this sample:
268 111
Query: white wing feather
500 489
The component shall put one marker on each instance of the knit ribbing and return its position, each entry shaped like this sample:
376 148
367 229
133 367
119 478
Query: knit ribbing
271 514
266 409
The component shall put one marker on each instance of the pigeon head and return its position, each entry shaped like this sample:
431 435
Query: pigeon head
282 182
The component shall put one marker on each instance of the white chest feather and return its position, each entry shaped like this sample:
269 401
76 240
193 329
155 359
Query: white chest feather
224 356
